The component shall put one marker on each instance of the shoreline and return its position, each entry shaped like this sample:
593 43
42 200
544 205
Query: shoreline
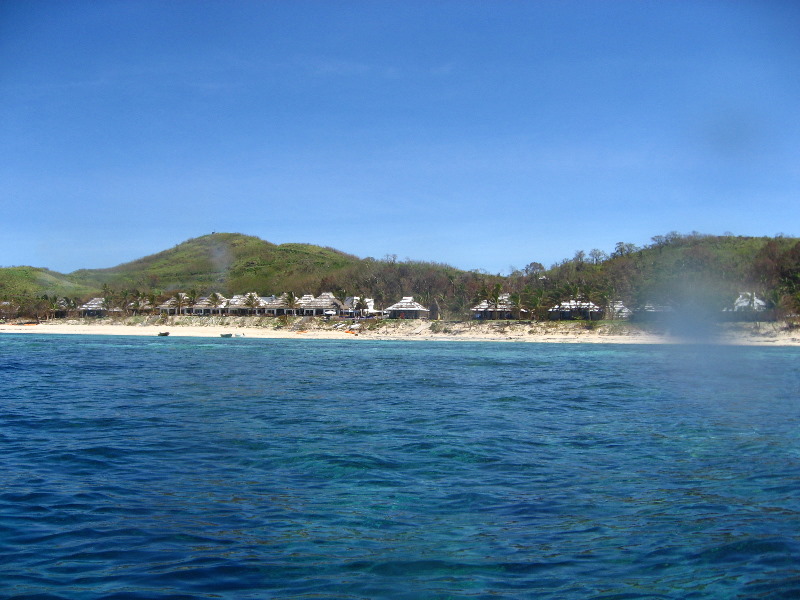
740 334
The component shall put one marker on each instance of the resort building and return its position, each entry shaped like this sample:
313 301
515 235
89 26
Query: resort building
140 306
747 307
576 309
178 304
324 304
352 304
274 305
617 310
748 301
502 309
246 304
209 305
96 307
407 309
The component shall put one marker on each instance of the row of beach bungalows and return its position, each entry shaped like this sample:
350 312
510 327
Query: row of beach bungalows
504 308
327 305
324 305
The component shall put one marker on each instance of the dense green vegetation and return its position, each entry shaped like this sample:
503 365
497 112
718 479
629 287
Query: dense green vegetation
690 273
35 281
227 263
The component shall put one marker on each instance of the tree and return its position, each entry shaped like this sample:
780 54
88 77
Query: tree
497 290
360 305
108 303
252 301
215 300
597 256
624 249
50 305
191 297
518 302
535 301
179 301
533 268
151 298
291 302
123 299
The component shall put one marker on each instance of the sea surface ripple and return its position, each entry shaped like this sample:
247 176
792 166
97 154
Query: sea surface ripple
233 468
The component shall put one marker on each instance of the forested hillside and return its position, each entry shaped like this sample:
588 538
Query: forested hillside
682 272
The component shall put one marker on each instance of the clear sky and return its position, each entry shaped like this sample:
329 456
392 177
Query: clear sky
479 134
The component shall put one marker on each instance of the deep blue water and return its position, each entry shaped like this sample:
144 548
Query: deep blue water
209 468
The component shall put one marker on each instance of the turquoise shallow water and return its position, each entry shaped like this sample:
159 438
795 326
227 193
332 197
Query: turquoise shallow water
187 468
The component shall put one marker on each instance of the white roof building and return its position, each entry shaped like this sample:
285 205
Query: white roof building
749 301
577 305
246 303
207 304
407 309
325 303
571 309
618 310
503 307
351 302
97 306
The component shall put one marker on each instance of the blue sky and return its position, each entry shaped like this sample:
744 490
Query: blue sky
480 134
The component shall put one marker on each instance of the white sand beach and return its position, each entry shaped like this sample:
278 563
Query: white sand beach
619 332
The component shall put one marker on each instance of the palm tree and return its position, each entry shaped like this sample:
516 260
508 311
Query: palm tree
518 302
215 300
535 301
179 301
252 301
360 305
291 302
108 303
151 299
340 295
483 295
50 306
191 297
497 290
70 305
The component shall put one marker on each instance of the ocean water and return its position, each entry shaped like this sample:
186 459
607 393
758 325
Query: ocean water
235 468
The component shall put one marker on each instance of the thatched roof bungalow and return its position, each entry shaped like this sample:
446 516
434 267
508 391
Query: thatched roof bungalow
274 305
407 309
576 309
504 309
97 307
325 303
246 304
178 304
139 306
208 305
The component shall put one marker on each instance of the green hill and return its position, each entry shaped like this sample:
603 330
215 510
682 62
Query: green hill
232 263
224 262
33 281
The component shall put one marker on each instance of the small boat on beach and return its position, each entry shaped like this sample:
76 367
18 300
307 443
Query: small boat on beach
226 335
163 333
